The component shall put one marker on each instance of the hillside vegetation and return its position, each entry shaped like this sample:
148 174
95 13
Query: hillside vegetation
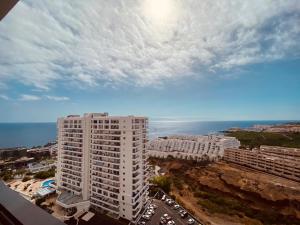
225 194
255 139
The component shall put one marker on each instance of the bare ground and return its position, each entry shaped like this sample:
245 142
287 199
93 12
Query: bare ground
230 194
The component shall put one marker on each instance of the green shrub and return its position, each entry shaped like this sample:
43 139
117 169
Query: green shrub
39 201
45 174
6 175
163 182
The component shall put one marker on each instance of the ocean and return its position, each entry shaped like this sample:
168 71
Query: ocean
33 134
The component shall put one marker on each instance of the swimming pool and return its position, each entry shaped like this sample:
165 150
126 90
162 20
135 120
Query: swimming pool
47 183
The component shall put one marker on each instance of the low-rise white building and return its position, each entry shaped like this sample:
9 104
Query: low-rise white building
102 163
199 147
280 161
41 166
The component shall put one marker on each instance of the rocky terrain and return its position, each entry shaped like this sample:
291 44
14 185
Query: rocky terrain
222 193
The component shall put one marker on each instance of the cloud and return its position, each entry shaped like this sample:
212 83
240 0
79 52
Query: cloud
4 97
142 42
25 97
57 98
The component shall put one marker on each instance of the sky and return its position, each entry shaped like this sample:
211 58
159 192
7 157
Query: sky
176 59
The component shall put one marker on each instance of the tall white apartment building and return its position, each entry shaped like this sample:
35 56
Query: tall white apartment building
102 163
199 147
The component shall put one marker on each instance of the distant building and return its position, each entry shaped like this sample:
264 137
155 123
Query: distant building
16 210
102 163
41 166
15 164
200 147
280 161
53 149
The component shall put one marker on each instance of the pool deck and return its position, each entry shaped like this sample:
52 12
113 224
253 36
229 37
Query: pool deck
33 186
47 181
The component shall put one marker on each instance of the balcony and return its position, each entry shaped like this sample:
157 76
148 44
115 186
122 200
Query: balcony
102 204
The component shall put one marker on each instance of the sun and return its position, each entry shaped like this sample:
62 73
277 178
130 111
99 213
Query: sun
160 12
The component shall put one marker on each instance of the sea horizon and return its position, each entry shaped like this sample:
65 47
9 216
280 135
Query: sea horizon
29 134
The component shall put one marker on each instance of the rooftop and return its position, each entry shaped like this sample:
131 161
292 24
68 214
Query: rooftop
19 211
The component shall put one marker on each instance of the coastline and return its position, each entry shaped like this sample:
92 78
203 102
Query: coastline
27 135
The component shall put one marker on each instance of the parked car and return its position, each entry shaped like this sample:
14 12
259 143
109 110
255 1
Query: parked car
176 206
151 211
163 221
169 202
153 206
171 222
167 217
163 197
146 217
191 221
142 223
150 208
183 214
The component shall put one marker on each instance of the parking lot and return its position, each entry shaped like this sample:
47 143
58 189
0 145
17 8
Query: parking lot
163 208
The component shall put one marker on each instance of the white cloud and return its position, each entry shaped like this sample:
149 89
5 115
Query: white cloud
94 42
25 97
4 97
57 98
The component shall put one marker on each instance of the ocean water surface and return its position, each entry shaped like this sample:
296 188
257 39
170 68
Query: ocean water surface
33 134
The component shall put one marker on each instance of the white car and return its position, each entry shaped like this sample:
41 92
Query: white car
153 206
167 217
191 221
149 213
150 207
163 198
146 217
169 202
171 222
176 206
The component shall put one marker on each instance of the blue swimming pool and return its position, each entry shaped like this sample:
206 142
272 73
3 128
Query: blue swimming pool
47 183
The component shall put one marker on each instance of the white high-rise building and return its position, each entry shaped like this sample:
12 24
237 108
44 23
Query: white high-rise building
102 163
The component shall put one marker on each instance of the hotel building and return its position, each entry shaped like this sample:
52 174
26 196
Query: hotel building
206 147
102 163
280 161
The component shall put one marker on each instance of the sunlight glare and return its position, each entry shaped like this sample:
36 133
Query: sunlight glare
160 12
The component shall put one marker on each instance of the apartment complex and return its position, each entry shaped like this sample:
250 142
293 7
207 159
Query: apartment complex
41 166
280 161
102 163
206 147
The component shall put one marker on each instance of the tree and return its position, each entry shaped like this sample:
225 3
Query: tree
39 201
26 178
45 174
163 182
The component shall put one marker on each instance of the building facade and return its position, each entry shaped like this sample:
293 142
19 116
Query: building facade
280 161
41 166
200 147
102 163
